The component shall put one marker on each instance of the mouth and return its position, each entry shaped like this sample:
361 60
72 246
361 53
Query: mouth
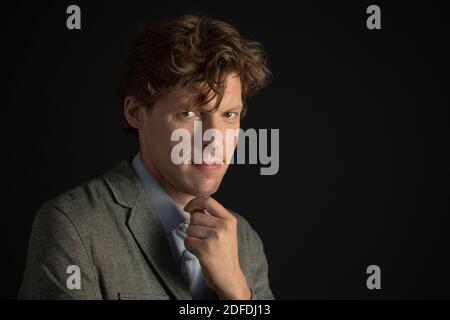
209 166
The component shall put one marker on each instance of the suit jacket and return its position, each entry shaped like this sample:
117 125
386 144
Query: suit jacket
107 228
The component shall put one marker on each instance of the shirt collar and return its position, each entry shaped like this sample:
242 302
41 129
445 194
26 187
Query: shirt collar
163 205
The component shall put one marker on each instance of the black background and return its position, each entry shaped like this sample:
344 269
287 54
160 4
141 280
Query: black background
363 119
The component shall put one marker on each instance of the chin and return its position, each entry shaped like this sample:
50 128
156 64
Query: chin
202 187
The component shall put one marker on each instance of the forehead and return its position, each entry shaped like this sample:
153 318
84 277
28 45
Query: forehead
186 99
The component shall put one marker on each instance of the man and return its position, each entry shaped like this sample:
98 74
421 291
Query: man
149 229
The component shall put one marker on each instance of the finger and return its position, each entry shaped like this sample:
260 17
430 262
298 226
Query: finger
199 232
208 204
194 245
197 204
202 219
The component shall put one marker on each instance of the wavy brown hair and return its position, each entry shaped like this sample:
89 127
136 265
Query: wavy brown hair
193 53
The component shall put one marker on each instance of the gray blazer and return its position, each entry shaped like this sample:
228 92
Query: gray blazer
107 228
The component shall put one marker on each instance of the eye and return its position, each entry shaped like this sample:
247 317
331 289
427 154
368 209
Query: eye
230 114
188 114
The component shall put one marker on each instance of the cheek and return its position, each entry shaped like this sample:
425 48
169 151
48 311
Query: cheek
185 142
233 139
161 131
157 138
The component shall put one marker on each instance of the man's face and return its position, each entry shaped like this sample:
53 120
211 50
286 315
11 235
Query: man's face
171 112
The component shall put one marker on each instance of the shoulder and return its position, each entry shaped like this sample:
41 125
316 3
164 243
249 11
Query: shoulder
88 195
77 210
96 195
246 230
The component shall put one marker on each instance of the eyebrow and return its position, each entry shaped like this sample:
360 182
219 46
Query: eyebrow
240 107
210 109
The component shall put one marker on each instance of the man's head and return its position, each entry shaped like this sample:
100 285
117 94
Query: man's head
186 70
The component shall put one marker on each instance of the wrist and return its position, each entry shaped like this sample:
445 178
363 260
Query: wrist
240 291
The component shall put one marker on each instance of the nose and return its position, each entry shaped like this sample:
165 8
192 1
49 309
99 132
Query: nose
215 141
210 121
213 132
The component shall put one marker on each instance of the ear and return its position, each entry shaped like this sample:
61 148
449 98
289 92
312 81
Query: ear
133 112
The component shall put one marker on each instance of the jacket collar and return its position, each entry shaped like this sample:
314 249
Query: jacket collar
145 226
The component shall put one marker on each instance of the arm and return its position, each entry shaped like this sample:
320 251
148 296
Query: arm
213 238
259 287
55 244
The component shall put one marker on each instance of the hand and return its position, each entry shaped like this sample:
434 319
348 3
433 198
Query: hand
213 240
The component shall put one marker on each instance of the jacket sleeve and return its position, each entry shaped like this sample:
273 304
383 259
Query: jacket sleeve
259 284
57 257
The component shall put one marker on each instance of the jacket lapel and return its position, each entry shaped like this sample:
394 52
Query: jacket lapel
146 227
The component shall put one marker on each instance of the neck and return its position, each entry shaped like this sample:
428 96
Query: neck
180 198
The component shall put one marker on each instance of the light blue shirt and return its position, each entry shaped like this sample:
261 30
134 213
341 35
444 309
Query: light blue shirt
171 216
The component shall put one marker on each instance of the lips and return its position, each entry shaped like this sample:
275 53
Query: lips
210 161
209 166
